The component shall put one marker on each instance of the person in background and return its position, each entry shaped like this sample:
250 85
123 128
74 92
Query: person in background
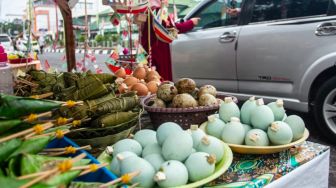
161 57
41 42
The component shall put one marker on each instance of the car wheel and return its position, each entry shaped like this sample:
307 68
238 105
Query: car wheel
324 109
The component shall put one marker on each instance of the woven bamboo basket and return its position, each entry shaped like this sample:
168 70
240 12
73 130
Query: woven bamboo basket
103 137
185 117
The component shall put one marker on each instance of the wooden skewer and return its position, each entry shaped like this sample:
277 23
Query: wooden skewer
39 116
66 131
22 133
134 185
76 103
42 175
39 178
42 96
44 128
57 153
132 175
88 147
89 170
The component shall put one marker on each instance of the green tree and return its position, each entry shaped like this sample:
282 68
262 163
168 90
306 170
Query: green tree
99 39
81 38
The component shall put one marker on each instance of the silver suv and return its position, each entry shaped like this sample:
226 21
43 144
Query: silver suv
271 49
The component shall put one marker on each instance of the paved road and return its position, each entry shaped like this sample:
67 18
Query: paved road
55 60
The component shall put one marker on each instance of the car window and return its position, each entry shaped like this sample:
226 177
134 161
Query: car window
215 14
4 39
267 10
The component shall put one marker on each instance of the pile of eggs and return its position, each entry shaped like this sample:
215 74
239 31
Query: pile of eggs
143 80
169 157
255 124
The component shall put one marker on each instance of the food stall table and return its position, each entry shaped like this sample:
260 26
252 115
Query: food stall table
23 66
303 166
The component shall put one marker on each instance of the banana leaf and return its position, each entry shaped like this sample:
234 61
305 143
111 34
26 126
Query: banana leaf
8 124
93 90
13 169
15 183
76 184
11 182
70 79
36 163
106 78
117 105
7 148
114 119
12 107
31 163
1 173
23 126
92 104
32 146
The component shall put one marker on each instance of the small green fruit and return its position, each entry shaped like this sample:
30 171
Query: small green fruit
212 146
256 137
127 145
234 132
154 148
277 109
200 165
262 116
228 109
145 137
246 110
177 146
215 126
297 125
165 130
171 174
280 133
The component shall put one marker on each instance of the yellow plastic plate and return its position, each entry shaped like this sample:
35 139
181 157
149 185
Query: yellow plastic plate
243 149
221 167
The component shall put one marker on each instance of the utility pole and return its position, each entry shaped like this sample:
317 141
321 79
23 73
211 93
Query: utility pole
56 35
86 34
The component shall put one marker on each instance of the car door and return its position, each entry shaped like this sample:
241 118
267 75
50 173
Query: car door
207 54
280 43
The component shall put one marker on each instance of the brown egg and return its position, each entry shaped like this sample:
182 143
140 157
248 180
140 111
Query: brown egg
121 73
140 88
129 81
140 72
152 77
151 74
153 86
123 88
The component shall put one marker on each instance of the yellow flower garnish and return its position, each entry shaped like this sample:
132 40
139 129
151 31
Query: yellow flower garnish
76 123
32 118
61 121
70 150
94 167
126 178
65 166
59 134
70 103
38 129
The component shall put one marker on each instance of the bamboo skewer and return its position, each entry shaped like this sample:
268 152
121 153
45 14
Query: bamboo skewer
34 133
46 174
66 131
87 171
42 96
131 176
34 117
22 133
62 151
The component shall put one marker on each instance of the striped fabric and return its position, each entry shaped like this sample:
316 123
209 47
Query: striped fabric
135 9
161 32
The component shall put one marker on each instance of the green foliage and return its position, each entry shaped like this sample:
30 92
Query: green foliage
81 38
99 39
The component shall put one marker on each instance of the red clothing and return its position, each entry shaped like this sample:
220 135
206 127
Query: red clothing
161 57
